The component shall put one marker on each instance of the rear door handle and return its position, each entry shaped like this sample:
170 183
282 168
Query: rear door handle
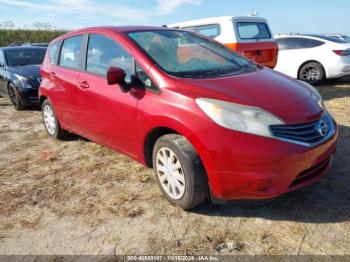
83 85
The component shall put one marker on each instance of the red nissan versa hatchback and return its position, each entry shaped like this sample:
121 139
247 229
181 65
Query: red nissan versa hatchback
210 122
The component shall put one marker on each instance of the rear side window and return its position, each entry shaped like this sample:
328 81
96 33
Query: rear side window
70 52
297 43
52 51
211 31
253 30
104 52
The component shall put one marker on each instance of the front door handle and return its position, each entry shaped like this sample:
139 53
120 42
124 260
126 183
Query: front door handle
83 85
52 74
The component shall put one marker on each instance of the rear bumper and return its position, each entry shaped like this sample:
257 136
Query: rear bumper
265 168
340 71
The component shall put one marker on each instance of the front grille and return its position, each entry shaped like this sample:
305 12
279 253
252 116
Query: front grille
34 83
310 173
308 133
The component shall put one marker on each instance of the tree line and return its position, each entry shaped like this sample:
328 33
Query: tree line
22 36
38 32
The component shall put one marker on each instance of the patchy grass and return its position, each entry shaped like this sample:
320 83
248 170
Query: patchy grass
104 203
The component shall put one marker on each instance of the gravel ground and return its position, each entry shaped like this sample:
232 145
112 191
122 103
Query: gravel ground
76 197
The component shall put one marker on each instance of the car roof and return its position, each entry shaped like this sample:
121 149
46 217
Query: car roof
21 47
313 36
213 20
116 29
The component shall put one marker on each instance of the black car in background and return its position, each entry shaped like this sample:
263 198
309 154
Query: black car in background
20 74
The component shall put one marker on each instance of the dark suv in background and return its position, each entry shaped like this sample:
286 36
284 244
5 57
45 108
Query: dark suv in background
20 74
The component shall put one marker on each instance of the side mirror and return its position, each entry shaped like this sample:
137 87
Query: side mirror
116 75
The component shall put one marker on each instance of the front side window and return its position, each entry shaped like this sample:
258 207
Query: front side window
104 52
211 31
253 30
70 52
26 56
185 54
52 52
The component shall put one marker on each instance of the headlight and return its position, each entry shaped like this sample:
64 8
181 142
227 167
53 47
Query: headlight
23 81
241 118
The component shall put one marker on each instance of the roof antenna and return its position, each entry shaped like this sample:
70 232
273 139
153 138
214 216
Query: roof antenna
255 13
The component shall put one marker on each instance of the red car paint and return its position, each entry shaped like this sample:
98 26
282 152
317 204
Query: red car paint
238 165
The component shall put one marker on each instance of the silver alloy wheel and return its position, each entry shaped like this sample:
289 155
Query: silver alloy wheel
311 73
170 173
49 119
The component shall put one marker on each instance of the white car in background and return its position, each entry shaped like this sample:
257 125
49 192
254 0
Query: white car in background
340 36
313 58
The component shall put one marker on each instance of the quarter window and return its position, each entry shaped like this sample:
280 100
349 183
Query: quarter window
211 31
70 53
52 51
253 30
104 52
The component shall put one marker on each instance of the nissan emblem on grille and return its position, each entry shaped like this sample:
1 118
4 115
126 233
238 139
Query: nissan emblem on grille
322 128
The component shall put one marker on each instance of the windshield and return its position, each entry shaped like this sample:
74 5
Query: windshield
18 57
187 55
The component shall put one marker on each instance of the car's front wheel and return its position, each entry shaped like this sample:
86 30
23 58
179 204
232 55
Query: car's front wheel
179 171
51 123
312 73
14 98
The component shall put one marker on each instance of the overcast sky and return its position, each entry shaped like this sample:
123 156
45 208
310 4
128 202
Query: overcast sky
284 16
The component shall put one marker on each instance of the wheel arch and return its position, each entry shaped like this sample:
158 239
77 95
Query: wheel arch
312 61
42 98
165 128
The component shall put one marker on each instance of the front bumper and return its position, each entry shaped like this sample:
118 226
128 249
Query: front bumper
28 96
245 166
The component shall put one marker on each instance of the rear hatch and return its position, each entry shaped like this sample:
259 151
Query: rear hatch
255 41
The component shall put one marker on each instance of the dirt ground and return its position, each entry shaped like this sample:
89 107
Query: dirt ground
76 197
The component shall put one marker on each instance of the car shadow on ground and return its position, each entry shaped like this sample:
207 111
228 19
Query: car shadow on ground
332 89
325 201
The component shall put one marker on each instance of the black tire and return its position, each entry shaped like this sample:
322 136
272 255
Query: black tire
312 73
14 98
196 181
57 132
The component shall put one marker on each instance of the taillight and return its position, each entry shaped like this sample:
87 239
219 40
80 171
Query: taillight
342 52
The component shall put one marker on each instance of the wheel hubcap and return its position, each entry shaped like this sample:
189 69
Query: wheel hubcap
49 119
311 74
170 173
12 95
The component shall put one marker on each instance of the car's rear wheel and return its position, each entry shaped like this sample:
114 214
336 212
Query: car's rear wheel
51 123
14 98
179 171
312 72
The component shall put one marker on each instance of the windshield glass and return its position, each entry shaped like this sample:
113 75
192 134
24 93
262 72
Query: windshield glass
18 57
187 55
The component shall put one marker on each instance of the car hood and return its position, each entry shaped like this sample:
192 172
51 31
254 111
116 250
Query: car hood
285 97
29 71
